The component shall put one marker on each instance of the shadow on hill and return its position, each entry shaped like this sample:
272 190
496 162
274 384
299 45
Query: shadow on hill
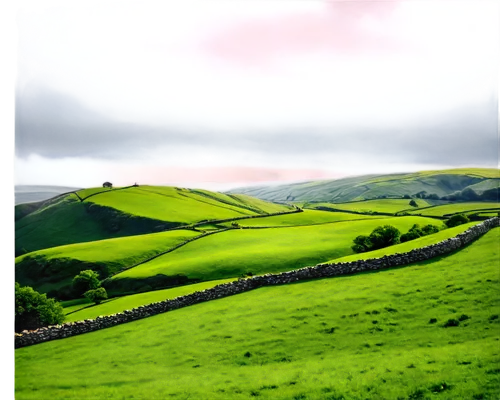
124 286
84 307
70 221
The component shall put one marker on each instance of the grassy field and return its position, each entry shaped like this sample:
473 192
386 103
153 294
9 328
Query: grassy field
126 302
441 182
456 208
77 310
236 252
67 220
307 217
115 254
410 245
380 205
375 335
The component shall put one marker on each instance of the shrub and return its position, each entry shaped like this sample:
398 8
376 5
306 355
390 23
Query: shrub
405 237
361 244
413 203
451 322
430 229
456 220
96 295
34 310
86 280
384 236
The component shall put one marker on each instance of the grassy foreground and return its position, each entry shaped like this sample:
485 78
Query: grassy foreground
368 336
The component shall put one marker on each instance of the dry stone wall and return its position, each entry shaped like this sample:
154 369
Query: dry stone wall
27 338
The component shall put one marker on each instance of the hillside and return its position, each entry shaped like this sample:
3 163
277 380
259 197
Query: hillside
440 183
380 335
97 213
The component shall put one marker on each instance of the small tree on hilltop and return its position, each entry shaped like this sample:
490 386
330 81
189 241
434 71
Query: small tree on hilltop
86 280
96 295
361 244
456 220
34 310
384 236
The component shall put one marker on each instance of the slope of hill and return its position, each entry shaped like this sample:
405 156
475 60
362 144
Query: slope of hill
95 214
258 251
381 335
440 183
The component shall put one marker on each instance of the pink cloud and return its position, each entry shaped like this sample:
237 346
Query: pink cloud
337 28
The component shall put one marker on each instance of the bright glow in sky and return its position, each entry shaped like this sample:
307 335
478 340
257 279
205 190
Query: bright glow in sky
269 62
215 176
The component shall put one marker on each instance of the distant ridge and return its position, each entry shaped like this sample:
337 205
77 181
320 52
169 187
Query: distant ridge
440 183
34 193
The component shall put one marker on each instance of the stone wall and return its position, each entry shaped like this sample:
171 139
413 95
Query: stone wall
27 338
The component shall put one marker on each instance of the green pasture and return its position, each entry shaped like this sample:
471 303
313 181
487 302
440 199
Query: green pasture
239 251
448 209
405 247
63 222
126 302
117 253
380 205
307 217
168 204
379 335
77 310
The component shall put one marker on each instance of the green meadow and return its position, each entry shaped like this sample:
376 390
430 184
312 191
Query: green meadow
380 205
379 335
306 217
82 308
240 251
467 207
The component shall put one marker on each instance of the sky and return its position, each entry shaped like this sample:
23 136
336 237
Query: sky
229 93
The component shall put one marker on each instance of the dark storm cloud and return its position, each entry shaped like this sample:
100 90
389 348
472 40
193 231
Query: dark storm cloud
54 126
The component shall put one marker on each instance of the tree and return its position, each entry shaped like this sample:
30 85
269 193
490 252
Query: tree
384 236
429 229
107 185
456 220
34 310
411 235
96 295
361 244
413 203
86 280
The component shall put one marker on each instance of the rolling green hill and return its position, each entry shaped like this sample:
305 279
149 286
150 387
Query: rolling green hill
53 269
106 213
80 309
441 183
238 252
380 335
457 208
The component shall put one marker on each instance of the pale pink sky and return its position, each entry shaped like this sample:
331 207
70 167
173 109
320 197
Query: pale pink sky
211 175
